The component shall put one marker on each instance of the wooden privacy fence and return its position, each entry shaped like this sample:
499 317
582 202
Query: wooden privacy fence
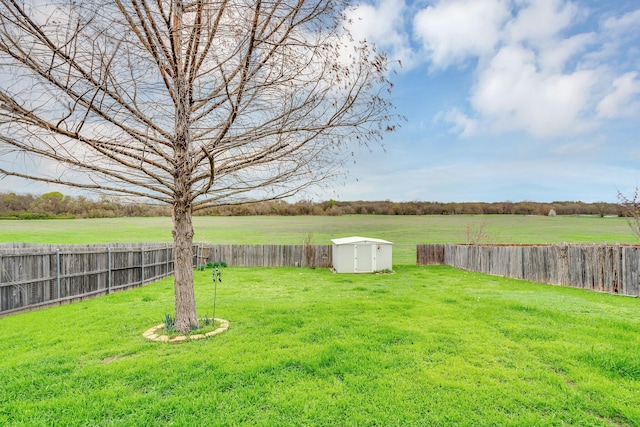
40 275
613 269
268 255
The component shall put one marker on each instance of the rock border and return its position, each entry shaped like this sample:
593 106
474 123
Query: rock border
152 334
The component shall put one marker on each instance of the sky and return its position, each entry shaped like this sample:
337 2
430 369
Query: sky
505 100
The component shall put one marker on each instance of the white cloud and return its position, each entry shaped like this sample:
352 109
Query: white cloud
537 21
580 148
618 37
382 24
527 84
627 22
533 71
513 93
556 54
454 30
623 100
462 124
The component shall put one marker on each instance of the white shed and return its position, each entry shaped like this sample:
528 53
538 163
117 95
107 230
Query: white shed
361 255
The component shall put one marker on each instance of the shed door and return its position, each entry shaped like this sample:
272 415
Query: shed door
363 258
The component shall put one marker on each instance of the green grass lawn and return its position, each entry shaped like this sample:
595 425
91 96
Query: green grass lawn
404 231
424 346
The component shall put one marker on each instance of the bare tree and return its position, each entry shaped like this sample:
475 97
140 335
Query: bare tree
309 251
477 233
189 103
631 209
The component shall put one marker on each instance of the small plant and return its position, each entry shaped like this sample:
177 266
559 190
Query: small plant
217 275
217 278
211 264
169 323
205 324
207 320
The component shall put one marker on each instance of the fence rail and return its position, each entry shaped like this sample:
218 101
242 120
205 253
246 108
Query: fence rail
613 269
34 276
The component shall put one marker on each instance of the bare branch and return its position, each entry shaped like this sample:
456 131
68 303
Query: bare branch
631 209
191 103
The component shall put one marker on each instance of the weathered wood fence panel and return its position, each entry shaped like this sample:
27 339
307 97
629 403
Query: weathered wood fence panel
430 254
613 269
269 255
40 275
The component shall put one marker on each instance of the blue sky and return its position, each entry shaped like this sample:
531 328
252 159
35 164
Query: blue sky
505 100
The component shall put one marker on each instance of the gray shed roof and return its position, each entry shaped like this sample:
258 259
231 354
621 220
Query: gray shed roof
358 239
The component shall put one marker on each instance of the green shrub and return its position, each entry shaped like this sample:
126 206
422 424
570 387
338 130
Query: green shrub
34 215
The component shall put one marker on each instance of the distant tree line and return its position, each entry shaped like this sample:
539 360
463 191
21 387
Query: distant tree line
57 205
386 207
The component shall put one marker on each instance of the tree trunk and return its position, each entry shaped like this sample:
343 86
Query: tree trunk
186 315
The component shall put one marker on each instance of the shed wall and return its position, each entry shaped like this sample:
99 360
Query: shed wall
343 258
384 259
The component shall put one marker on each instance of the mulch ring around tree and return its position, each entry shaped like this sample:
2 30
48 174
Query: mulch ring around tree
154 334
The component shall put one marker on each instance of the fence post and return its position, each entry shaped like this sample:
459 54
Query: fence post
166 272
58 272
108 270
142 263
623 270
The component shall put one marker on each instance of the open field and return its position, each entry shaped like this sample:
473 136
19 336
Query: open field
424 346
404 231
